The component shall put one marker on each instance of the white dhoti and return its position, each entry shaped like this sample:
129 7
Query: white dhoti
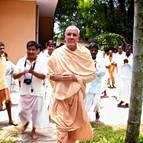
92 100
43 119
125 90
30 107
89 101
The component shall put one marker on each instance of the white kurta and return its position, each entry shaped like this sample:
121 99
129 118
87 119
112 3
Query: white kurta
119 60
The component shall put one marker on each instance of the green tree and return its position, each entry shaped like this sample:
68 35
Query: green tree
94 17
109 41
135 110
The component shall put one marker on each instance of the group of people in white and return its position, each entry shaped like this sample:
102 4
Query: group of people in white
113 70
29 75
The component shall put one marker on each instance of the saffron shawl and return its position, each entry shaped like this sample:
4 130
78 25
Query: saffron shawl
78 62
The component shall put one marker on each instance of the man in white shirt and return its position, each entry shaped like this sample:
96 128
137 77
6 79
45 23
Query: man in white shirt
50 47
128 54
119 60
44 55
125 84
31 72
93 89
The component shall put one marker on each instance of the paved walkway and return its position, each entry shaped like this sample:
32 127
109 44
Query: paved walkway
46 135
109 114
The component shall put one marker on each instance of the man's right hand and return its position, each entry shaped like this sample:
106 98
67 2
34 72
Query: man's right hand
63 77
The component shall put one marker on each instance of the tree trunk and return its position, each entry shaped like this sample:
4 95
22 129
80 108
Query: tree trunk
135 110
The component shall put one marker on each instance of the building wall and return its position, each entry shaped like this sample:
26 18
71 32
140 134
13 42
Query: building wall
17 26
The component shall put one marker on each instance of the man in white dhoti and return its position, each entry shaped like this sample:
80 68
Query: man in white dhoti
93 90
31 72
119 60
125 84
48 99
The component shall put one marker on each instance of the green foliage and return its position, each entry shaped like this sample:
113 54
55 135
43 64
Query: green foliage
7 142
66 13
94 17
140 139
109 41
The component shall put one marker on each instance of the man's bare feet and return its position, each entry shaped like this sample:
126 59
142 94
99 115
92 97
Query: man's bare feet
12 123
97 116
34 135
104 94
2 108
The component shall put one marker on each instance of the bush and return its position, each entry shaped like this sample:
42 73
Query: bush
108 41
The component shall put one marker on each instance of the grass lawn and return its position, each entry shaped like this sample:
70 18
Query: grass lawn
8 142
106 134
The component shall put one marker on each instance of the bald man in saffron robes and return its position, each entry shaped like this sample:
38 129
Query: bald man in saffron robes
70 68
